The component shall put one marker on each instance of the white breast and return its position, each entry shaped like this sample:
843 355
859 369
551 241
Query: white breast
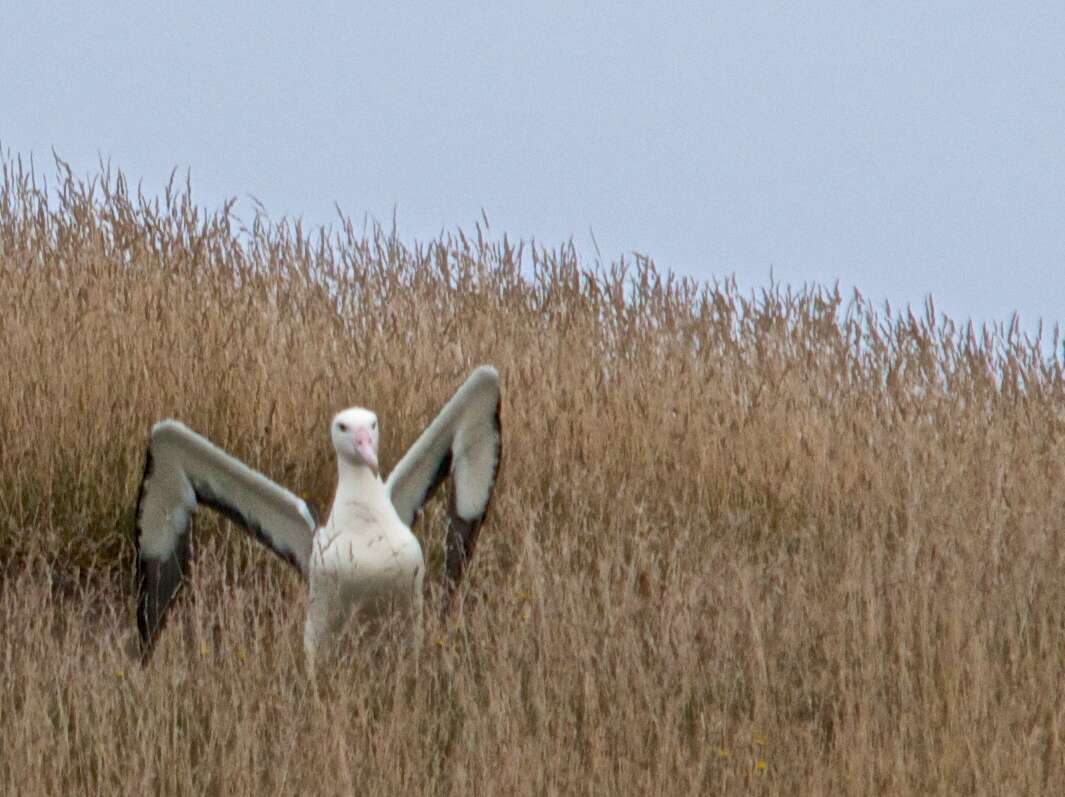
365 539
365 561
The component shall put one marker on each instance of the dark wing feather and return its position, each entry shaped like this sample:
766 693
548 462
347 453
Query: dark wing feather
464 442
182 471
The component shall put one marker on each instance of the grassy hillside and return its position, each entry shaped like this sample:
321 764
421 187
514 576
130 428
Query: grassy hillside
785 543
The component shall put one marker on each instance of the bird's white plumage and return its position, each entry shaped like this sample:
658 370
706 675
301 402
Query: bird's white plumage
364 558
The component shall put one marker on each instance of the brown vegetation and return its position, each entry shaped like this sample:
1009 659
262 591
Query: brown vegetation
777 544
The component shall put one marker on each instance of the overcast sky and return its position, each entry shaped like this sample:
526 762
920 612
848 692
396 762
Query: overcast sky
905 148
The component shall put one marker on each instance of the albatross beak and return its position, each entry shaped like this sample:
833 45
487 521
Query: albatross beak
364 445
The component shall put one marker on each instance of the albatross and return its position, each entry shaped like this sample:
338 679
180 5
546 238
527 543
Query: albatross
364 559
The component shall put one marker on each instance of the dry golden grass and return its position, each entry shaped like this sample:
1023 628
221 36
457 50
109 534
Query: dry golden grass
780 544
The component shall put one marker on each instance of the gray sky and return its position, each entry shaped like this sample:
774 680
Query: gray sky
904 148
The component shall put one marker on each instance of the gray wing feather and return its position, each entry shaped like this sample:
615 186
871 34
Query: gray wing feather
464 442
182 471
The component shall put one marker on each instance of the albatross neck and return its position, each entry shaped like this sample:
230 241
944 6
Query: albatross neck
361 501
357 481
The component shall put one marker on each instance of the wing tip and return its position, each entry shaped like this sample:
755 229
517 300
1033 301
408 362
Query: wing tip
168 426
158 581
169 431
484 381
486 375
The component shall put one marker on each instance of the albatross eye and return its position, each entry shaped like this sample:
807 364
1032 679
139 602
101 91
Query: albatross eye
373 425
342 427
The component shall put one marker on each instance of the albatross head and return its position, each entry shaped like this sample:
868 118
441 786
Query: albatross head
354 433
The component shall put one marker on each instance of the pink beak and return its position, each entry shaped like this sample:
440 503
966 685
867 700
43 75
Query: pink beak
364 445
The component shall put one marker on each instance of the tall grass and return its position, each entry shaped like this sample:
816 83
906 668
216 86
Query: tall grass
777 543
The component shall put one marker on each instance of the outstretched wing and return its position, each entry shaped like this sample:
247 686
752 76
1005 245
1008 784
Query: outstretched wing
463 441
184 470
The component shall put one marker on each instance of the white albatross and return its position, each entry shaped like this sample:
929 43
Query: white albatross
364 558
